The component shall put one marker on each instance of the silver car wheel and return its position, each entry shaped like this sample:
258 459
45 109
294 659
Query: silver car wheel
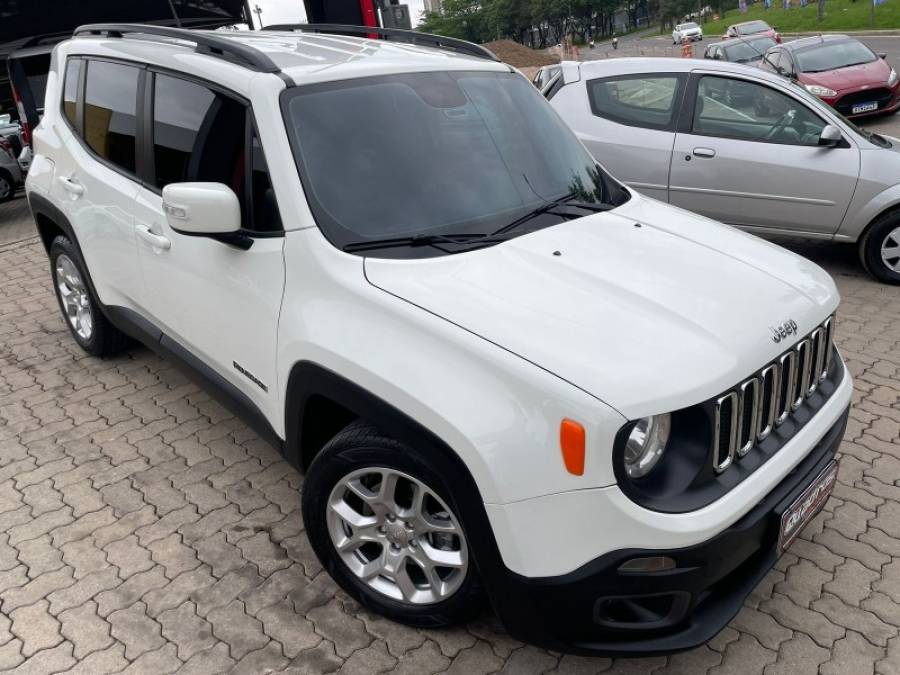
74 296
890 250
397 536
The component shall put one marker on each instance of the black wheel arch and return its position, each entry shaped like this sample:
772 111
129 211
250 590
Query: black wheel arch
319 400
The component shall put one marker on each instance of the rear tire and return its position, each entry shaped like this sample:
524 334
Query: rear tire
386 556
80 309
879 249
7 187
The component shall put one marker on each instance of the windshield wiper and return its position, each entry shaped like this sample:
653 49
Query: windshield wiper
568 200
424 240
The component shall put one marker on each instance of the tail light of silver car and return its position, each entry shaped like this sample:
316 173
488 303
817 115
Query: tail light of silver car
749 413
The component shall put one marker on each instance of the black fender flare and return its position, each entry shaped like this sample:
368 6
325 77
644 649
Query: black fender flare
308 379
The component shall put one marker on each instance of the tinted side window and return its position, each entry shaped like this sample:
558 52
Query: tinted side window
642 100
110 121
749 111
70 90
198 135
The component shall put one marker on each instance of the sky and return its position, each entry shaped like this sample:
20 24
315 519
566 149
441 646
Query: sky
291 11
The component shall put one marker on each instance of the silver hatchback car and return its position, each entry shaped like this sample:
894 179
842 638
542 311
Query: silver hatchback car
739 145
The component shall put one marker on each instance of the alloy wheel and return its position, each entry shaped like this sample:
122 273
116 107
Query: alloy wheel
890 250
397 535
74 296
5 188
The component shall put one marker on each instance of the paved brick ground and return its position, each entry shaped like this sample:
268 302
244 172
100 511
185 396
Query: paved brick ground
144 529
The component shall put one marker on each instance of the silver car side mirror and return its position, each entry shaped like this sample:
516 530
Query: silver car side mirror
830 136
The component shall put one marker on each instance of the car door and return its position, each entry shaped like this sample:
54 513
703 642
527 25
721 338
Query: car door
748 154
628 125
218 298
96 172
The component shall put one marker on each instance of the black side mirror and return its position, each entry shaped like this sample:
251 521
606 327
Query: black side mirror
882 55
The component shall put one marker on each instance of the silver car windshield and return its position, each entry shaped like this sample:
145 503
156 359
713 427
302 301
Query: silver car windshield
426 154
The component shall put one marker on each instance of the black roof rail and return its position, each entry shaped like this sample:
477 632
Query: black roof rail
392 35
213 45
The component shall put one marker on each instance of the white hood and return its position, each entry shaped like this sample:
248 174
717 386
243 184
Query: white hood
648 319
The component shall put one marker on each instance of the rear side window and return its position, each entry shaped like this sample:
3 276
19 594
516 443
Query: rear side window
649 101
70 91
202 135
110 104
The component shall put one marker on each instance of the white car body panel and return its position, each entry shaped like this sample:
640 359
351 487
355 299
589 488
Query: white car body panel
619 313
488 350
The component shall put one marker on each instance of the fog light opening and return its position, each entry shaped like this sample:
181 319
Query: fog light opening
658 563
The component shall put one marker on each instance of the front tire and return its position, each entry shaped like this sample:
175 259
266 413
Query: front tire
879 249
80 309
384 525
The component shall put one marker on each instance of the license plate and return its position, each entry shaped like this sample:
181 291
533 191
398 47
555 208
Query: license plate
806 506
864 107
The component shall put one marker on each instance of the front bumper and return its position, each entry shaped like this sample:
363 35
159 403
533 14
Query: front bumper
598 610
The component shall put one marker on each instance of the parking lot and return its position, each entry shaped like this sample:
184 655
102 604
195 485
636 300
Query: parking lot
144 529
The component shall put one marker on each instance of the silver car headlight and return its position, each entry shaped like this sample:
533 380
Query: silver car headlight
819 90
892 78
646 444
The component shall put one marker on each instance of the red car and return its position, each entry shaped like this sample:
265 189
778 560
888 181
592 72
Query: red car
841 71
754 28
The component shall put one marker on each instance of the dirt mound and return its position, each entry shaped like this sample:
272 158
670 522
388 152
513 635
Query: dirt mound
520 56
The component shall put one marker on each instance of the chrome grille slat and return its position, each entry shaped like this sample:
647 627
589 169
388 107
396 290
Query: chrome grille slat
788 366
749 413
804 372
750 389
766 419
829 345
731 399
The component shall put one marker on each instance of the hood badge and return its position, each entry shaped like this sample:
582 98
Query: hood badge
779 333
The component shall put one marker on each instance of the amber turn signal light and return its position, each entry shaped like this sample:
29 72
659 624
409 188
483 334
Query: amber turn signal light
571 441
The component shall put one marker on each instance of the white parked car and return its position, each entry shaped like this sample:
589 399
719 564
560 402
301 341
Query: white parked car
686 31
501 371
741 145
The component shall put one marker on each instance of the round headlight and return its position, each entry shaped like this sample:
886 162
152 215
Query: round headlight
646 444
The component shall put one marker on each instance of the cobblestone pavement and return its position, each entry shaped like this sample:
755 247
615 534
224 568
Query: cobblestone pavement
144 529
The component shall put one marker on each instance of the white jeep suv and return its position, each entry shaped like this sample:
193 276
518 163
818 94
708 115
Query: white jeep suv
503 373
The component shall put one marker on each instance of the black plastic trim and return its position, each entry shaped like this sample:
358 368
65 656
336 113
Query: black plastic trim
218 46
558 612
140 328
684 479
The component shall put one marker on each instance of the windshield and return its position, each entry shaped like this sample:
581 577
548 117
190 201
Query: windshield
751 50
433 154
687 26
832 55
752 27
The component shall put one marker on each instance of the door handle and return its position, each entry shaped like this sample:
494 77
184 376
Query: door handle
71 186
708 153
155 240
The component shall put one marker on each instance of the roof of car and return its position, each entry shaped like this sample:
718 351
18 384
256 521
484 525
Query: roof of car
301 56
730 42
802 43
744 23
653 64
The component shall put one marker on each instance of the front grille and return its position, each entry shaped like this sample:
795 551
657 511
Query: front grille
880 95
747 414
